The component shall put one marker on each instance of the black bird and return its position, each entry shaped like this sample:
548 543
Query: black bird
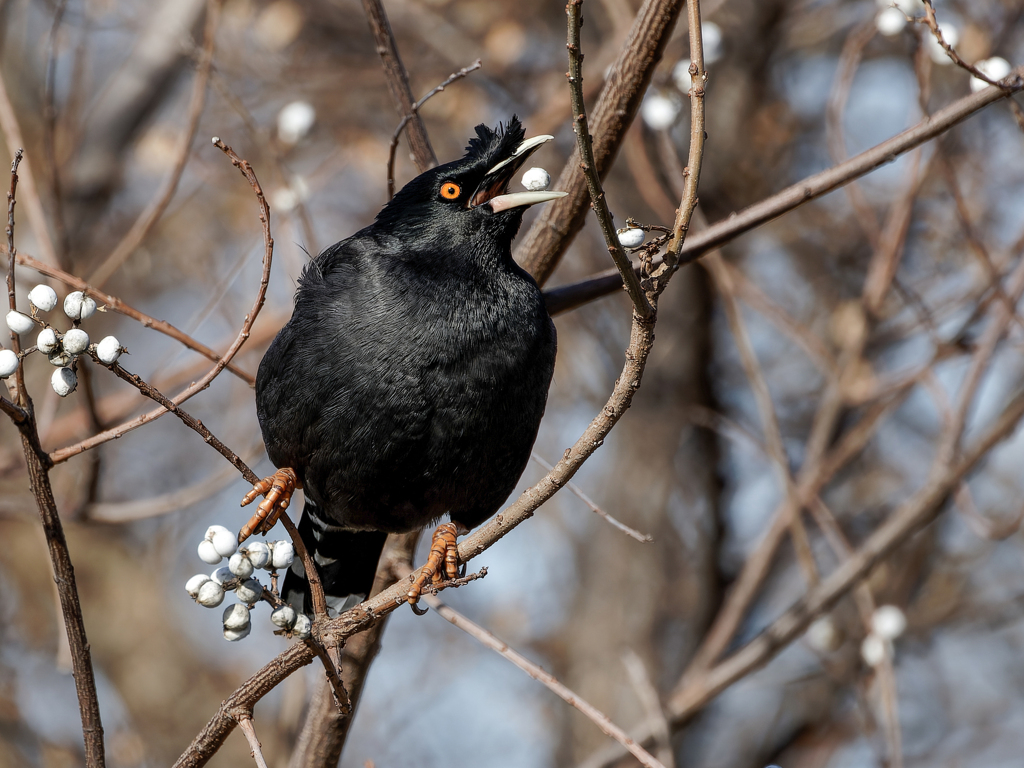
413 374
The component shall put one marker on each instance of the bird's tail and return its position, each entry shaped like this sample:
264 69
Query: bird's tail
345 560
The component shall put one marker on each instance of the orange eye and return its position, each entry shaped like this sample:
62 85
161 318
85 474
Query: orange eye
450 190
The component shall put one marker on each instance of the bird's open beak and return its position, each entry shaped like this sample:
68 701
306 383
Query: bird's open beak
493 189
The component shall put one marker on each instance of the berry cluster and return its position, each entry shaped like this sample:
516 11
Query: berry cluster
237 575
61 348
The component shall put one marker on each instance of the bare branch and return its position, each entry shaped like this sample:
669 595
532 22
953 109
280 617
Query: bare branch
115 304
398 82
585 148
564 298
644 538
595 715
542 247
415 111
255 748
66 453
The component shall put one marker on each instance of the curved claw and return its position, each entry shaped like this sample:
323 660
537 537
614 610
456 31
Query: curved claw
419 611
443 552
278 490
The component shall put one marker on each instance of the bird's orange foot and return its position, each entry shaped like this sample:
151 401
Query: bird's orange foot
278 490
443 560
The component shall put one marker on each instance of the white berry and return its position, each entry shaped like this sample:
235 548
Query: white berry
19 323
207 552
631 238
234 635
284 617
823 636
210 594
295 121
240 566
681 75
659 112
536 179
193 585
73 305
78 306
282 554
995 68
46 341
225 577
890 21
874 650
303 626
258 554
63 381
43 298
712 39
224 541
249 591
236 616
108 350
75 341
8 363
888 622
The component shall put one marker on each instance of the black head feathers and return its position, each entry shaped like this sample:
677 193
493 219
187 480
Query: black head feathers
492 146
416 203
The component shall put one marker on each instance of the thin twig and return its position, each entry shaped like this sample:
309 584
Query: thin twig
849 60
255 748
151 215
595 715
582 496
568 297
190 421
585 147
540 250
415 111
766 409
691 174
66 453
932 23
651 702
20 395
50 133
398 83
115 304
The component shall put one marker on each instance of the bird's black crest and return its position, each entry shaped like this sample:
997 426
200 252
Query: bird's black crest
490 147
494 145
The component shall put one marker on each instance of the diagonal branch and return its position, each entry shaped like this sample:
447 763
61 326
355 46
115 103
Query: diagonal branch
413 112
538 673
66 453
566 297
115 304
398 83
